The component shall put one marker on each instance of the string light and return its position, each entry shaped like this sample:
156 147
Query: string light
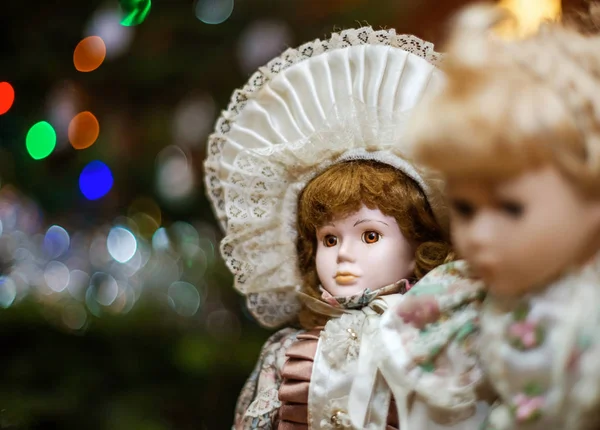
7 97
40 140
529 15
89 54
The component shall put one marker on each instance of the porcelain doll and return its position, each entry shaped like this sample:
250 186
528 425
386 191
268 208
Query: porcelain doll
516 134
326 221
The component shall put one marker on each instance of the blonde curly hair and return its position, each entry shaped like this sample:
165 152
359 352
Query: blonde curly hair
511 106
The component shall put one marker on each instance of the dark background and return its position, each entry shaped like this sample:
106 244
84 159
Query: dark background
150 368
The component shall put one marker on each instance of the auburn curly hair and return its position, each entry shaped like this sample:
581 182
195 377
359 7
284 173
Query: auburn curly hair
341 190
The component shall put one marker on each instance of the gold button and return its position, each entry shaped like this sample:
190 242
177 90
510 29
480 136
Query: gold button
352 333
337 418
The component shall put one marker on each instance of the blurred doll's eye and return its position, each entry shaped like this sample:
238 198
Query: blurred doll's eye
463 208
513 209
371 237
329 240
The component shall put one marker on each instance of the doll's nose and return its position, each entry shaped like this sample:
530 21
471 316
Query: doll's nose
345 252
479 234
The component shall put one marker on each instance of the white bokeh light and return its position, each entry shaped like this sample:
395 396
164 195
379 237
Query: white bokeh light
103 288
106 23
121 244
57 276
213 11
175 176
8 292
184 298
56 241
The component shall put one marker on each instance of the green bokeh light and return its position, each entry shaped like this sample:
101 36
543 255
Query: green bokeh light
134 11
41 140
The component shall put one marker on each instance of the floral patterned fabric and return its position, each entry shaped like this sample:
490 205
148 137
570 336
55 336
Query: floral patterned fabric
440 362
367 296
540 352
258 404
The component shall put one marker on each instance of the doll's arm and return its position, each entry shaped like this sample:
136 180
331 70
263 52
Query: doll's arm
258 403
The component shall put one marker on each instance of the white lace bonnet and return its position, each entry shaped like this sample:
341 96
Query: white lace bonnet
324 102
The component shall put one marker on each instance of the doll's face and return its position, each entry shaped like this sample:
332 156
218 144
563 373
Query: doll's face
363 250
521 233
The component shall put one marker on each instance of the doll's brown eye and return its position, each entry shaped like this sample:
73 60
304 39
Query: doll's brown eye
330 240
463 208
512 209
371 237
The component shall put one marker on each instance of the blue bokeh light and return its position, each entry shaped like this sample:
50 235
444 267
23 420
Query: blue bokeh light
95 180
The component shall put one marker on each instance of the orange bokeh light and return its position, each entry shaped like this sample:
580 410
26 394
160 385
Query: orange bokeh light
89 54
83 130
7 97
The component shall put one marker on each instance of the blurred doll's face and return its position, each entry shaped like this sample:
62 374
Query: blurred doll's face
521 233
363 250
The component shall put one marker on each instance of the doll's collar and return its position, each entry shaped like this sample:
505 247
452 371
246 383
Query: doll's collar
367 296
331 306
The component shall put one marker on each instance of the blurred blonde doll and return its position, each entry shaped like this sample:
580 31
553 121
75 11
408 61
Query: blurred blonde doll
516 133
308 176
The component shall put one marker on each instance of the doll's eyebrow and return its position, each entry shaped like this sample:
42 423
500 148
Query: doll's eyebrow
360 221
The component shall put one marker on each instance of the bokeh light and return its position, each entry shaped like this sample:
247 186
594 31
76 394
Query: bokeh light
8 292
63 102
184 298
103 289
78 284
99 256
193 120
57 276
89 54
105 23
83 130
529 15
261 41
7 97
213 11
40 140
95 180
134 11
56 241
160 240
175 176
121 244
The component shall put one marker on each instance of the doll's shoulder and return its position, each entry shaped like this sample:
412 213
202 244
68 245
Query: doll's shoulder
440 279
451 286
278 343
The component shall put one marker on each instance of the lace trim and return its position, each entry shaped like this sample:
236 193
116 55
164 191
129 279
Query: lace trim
261 255
265 402
240 97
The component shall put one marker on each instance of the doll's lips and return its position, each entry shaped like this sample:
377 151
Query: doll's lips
345 278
